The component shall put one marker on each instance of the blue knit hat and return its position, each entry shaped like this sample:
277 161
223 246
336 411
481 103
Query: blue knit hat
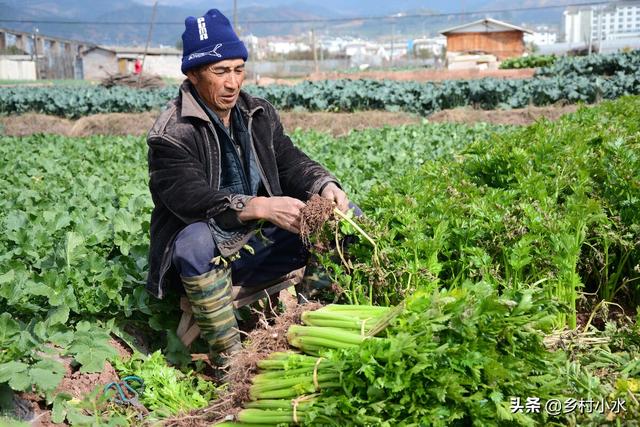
209 38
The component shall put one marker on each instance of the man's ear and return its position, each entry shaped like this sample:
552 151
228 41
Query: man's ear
193 77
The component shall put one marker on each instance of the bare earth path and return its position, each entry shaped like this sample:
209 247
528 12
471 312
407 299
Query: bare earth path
334 123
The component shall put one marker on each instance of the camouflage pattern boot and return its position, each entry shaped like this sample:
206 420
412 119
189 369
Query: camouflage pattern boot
210 295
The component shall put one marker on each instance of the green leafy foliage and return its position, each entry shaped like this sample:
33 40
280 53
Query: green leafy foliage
74 220
452 358
588 79
602 65
70 101
90 347
531 61
94 409
366 158
426 98
554 203
462 356
45 374
167 390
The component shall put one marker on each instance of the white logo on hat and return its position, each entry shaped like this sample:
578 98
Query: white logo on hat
202 28
212 52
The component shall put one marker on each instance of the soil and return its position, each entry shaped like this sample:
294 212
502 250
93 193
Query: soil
139 123
74 383
420 75
30 123
428 75
518 116
337 124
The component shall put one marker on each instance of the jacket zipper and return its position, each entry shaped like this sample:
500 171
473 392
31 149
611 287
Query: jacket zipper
255 154
215 135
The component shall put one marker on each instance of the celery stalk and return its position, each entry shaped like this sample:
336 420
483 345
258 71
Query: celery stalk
332 334
277 404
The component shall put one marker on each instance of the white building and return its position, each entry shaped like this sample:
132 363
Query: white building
542 36
356 47
611 21
286 47
333 45
99 62
435 45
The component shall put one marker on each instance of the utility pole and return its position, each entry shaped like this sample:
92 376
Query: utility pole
35 51
235 16
315 51
393 36
146 48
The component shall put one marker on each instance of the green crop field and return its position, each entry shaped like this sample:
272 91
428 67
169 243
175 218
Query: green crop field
495 273
587 80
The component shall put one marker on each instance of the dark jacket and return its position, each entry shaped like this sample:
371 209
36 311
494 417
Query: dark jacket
184 176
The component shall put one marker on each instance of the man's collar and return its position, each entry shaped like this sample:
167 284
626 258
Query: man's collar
190 106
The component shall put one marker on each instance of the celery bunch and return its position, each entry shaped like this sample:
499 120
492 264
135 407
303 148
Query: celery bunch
284 391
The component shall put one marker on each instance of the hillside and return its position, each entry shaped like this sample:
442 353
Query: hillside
126 21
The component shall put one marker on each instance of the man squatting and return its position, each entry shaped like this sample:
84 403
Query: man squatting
221 167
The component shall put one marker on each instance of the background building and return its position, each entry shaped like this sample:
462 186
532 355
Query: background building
30 56
102 61
481 44
612 21
541 36
488 36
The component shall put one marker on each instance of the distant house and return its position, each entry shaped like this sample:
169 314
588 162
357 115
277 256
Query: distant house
486 37
101 61
30 56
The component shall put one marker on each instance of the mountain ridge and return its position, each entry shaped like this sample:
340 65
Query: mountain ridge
133 15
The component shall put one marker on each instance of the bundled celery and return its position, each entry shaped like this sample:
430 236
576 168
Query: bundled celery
283 392
449 357
349 317
288 375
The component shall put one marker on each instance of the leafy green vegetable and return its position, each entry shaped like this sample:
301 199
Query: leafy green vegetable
451 357
531 61
602 65
74 232
167 390
554 204
588 79
74 219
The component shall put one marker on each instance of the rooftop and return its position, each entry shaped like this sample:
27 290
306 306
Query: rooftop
484 25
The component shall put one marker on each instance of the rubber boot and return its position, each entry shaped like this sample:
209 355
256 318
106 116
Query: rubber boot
210 295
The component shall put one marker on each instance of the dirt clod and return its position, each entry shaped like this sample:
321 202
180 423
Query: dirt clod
317 211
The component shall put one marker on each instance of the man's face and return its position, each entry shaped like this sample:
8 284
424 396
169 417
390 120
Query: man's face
219 83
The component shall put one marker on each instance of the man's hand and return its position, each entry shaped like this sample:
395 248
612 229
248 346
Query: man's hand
332 192
283 212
